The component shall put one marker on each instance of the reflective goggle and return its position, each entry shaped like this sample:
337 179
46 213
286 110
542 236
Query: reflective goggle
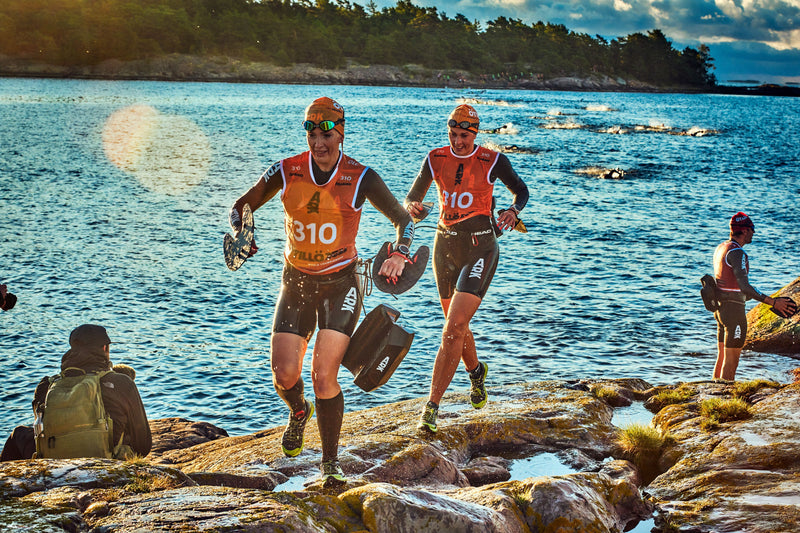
324 125
463 124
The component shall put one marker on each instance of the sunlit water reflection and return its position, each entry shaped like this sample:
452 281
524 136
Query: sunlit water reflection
114 198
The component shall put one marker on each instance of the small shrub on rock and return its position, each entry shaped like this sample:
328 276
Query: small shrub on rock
716 411
643 444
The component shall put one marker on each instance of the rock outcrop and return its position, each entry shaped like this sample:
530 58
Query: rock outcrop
183 67
767 332
739 475
713 476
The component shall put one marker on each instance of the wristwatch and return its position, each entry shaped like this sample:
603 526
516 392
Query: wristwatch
402 249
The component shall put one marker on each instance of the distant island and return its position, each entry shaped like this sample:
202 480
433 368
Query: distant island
338 42
88 37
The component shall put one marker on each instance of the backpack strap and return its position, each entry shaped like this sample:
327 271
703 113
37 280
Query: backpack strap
64 372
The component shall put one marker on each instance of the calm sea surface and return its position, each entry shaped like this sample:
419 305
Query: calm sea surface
114 200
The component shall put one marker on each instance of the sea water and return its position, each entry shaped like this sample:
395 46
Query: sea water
114 200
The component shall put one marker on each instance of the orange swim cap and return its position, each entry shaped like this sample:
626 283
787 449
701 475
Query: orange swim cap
325 108
464 115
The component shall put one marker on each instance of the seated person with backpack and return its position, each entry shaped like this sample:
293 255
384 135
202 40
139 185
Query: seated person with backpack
88 410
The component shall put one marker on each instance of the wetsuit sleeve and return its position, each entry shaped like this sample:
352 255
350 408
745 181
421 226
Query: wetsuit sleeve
736 259
374 189
267 186
421 184
506 174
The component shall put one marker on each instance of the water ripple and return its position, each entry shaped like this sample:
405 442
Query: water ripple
605 284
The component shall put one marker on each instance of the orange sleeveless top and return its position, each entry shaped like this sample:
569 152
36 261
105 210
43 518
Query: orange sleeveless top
321 221
463 183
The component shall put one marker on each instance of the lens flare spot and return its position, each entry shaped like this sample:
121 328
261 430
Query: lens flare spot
168 154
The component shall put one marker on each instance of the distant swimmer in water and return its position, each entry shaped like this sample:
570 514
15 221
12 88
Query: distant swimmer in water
505 129
603 173
510 148
465 250
612 174
697 132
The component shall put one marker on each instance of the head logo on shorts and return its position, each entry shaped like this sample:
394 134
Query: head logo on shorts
737 333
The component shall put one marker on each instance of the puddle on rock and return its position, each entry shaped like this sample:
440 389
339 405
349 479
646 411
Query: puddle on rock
635 413
542 464
294 483
645 526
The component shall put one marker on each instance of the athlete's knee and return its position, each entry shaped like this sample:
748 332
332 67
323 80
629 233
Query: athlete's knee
284 378
325 383
455 329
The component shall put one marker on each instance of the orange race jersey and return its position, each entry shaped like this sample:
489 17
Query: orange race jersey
321 221
724 271
464 184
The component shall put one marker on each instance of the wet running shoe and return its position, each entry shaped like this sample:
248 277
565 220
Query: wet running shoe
428 419
477 395
292 440
332 475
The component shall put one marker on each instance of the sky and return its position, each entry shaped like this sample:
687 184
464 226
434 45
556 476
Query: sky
755 40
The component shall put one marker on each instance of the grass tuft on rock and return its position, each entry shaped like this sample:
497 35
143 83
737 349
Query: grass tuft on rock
667 397
746 389
643 444
716 411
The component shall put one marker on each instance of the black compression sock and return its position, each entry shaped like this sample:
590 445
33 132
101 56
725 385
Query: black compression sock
477 371
293 397
329 421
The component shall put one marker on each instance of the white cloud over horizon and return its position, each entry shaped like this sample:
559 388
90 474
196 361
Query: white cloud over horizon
756 39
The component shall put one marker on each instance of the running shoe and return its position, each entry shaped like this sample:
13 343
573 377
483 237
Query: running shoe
332 475
477 395
292 440
428 419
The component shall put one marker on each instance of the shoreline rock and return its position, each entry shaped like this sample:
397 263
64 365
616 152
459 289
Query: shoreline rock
710 477
178 67
766 332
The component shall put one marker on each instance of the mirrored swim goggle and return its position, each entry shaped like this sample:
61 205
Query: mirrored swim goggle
463 124
324 125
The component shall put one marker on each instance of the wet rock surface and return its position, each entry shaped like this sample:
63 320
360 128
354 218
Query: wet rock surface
766 332
460 479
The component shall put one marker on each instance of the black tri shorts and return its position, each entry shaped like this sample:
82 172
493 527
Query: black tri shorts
330 301
465 257
731 323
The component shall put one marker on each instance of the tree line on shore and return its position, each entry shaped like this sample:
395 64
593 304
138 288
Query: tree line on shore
328 33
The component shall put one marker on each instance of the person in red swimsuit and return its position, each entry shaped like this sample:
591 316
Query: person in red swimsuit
465 252
323 192
731 268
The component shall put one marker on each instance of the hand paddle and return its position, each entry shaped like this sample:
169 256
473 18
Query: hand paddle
237 249
792 308
413 270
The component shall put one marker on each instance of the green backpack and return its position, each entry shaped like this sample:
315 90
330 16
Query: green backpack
74 422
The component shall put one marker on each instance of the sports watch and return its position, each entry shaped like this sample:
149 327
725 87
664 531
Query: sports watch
402 249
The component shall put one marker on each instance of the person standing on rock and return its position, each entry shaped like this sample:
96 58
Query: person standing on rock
731 268
323 192
465 252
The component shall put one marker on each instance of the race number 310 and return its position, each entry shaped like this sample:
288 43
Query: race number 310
326 233
460 200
